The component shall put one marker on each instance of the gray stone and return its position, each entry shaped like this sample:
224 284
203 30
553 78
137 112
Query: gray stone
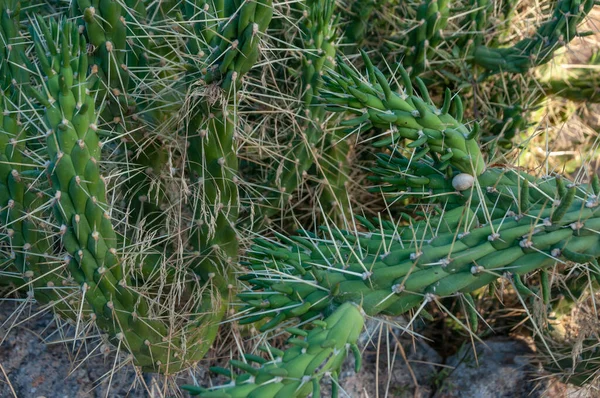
393 365
37 364
502 368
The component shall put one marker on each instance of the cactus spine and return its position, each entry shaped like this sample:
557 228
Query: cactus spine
210 131
539 48
317 27
392 269
405 115
297 371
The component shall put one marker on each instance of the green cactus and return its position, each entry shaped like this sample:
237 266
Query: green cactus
471 32
405 115
210 129
538 49
119 56
392 269
152 95
318 29
578 84
298 370
513 106
67 124
422 40
495 191
78 199
359 17
24 240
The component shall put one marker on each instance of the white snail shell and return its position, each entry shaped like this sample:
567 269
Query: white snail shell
463 181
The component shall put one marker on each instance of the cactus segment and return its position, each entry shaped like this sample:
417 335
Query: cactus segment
497 190
318 27
119 58
576 84
404 115
392 268
23 237
210 132
422 41
538 49
65 187
228 53
25 240
359 16
294 372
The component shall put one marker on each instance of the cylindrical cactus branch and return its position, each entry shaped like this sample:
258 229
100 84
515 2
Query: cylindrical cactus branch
473 26
357 26
106 31
210 129
120 56
393 268
311 356
421 41
580 83
404 115
512 106
314 144
333 164
12 45
538 49
497 190
25 239
80 234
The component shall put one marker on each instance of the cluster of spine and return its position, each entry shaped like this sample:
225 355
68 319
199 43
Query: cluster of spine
297 371
538 49
404 115
119 58
315 144
496 191
580 84
232 32
423 39
394 268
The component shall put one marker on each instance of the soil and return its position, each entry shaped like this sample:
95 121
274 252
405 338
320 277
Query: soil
38 359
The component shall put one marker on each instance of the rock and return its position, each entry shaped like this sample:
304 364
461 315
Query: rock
385 371
502 369
38 362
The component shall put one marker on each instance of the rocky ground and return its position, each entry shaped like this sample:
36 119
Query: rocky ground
38 360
